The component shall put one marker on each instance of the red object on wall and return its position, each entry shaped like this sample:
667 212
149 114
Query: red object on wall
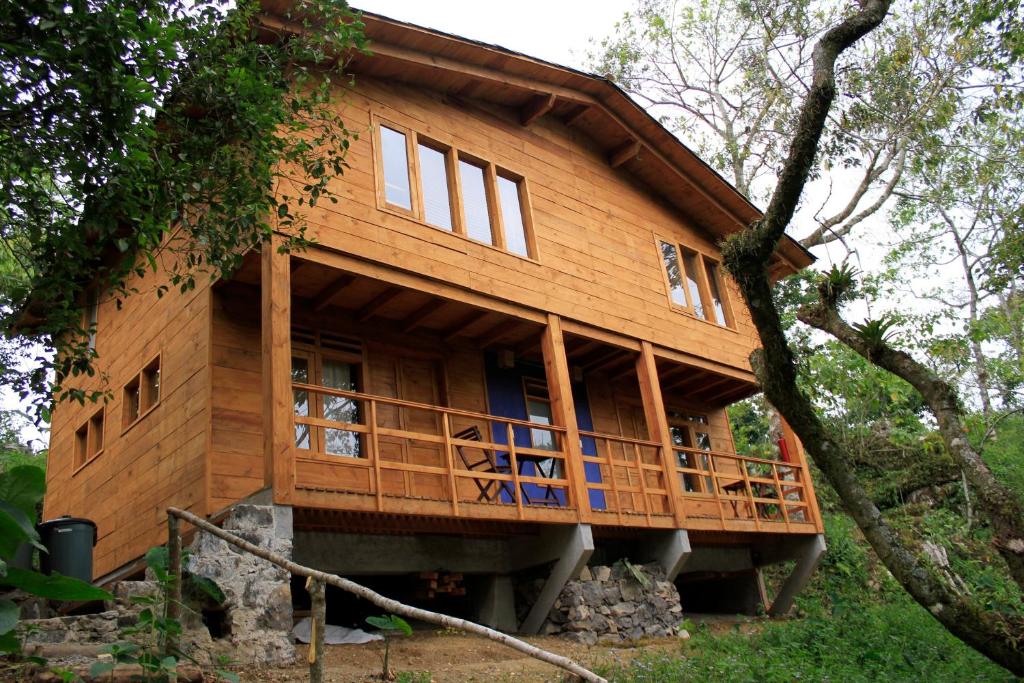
784 450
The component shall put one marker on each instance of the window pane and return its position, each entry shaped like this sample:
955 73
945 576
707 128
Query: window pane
540 413
512 215
675 280
716 296
437 206
131 396
300 400
474 201
396 168
341 375
691 281
152 381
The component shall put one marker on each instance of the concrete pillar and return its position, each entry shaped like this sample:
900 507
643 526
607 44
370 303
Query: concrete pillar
810 554
497 607
671 550
577 549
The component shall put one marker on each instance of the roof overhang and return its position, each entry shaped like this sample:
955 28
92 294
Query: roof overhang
466 70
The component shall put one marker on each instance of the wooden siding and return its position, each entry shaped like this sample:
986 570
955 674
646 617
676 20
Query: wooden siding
160 459
595 227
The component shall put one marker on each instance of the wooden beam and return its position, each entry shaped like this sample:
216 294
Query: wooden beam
326 296
731 395
598 358
538 106
626 152
700 380
706 392
278 432
657 427
459 328
582 349
574 118
377 304
612 363
563 413
420 315
495 333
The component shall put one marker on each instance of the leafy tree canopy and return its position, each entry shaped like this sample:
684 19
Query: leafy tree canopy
145 134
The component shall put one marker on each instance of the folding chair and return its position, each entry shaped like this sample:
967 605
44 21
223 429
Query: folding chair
487 463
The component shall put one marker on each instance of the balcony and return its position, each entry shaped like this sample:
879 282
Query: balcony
465 464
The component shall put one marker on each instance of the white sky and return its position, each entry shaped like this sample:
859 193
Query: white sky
555 30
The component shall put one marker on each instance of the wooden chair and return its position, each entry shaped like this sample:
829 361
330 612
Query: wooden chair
487 463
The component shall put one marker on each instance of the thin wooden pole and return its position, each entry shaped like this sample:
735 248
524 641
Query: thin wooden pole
172 611
387 604
318 625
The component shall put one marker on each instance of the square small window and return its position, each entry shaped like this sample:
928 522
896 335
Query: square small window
89 439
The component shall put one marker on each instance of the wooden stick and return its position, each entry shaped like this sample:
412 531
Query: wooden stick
389 605
172 610
318 625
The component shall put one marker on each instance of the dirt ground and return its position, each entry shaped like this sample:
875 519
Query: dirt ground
445 657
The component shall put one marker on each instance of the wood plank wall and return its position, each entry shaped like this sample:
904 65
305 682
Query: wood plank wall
160 460
597 260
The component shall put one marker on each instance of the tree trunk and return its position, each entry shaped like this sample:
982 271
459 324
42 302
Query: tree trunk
746 255
1002 506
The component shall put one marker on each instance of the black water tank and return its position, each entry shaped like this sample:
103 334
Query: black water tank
70 541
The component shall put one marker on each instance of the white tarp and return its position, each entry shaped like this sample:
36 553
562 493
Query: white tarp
334 635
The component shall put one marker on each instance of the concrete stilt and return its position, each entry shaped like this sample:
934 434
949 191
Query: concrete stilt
497 607
576 550
810 554
671 550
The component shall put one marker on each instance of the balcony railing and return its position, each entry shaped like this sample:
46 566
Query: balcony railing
765 494
398 456
412 451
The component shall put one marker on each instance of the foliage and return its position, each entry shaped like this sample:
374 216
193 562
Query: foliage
150 136
750 421
390 625
145 642
21 490
856 625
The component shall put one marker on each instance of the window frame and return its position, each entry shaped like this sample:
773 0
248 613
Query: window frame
453 155
85 438
315 355
146 405
700 259
682 420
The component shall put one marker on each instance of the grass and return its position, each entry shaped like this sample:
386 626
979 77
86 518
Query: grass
895 642
856 625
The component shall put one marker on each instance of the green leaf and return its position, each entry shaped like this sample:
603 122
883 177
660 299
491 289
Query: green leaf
100 668
55 586
9 642
23 487
390 622
8 616
15 527
207 587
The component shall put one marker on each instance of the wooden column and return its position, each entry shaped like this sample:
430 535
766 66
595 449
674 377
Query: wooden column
275 320
799 459
563 412
657 425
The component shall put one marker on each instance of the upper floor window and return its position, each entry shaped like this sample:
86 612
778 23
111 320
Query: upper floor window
89 439
141 394
452 190
695 283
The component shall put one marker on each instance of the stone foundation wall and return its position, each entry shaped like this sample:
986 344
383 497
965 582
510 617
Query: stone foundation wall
255 627
610 604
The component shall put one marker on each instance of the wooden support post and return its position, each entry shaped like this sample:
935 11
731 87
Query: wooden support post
278 428
172 610
657 426
799 459
563 412
318 600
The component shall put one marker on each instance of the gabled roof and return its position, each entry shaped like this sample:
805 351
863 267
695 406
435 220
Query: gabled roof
462 68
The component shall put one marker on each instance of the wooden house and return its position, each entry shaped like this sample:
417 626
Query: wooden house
513 336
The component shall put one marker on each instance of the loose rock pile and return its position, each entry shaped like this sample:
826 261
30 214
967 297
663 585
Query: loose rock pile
611 604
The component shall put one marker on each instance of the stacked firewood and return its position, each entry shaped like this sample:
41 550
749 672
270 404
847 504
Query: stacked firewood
440 583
